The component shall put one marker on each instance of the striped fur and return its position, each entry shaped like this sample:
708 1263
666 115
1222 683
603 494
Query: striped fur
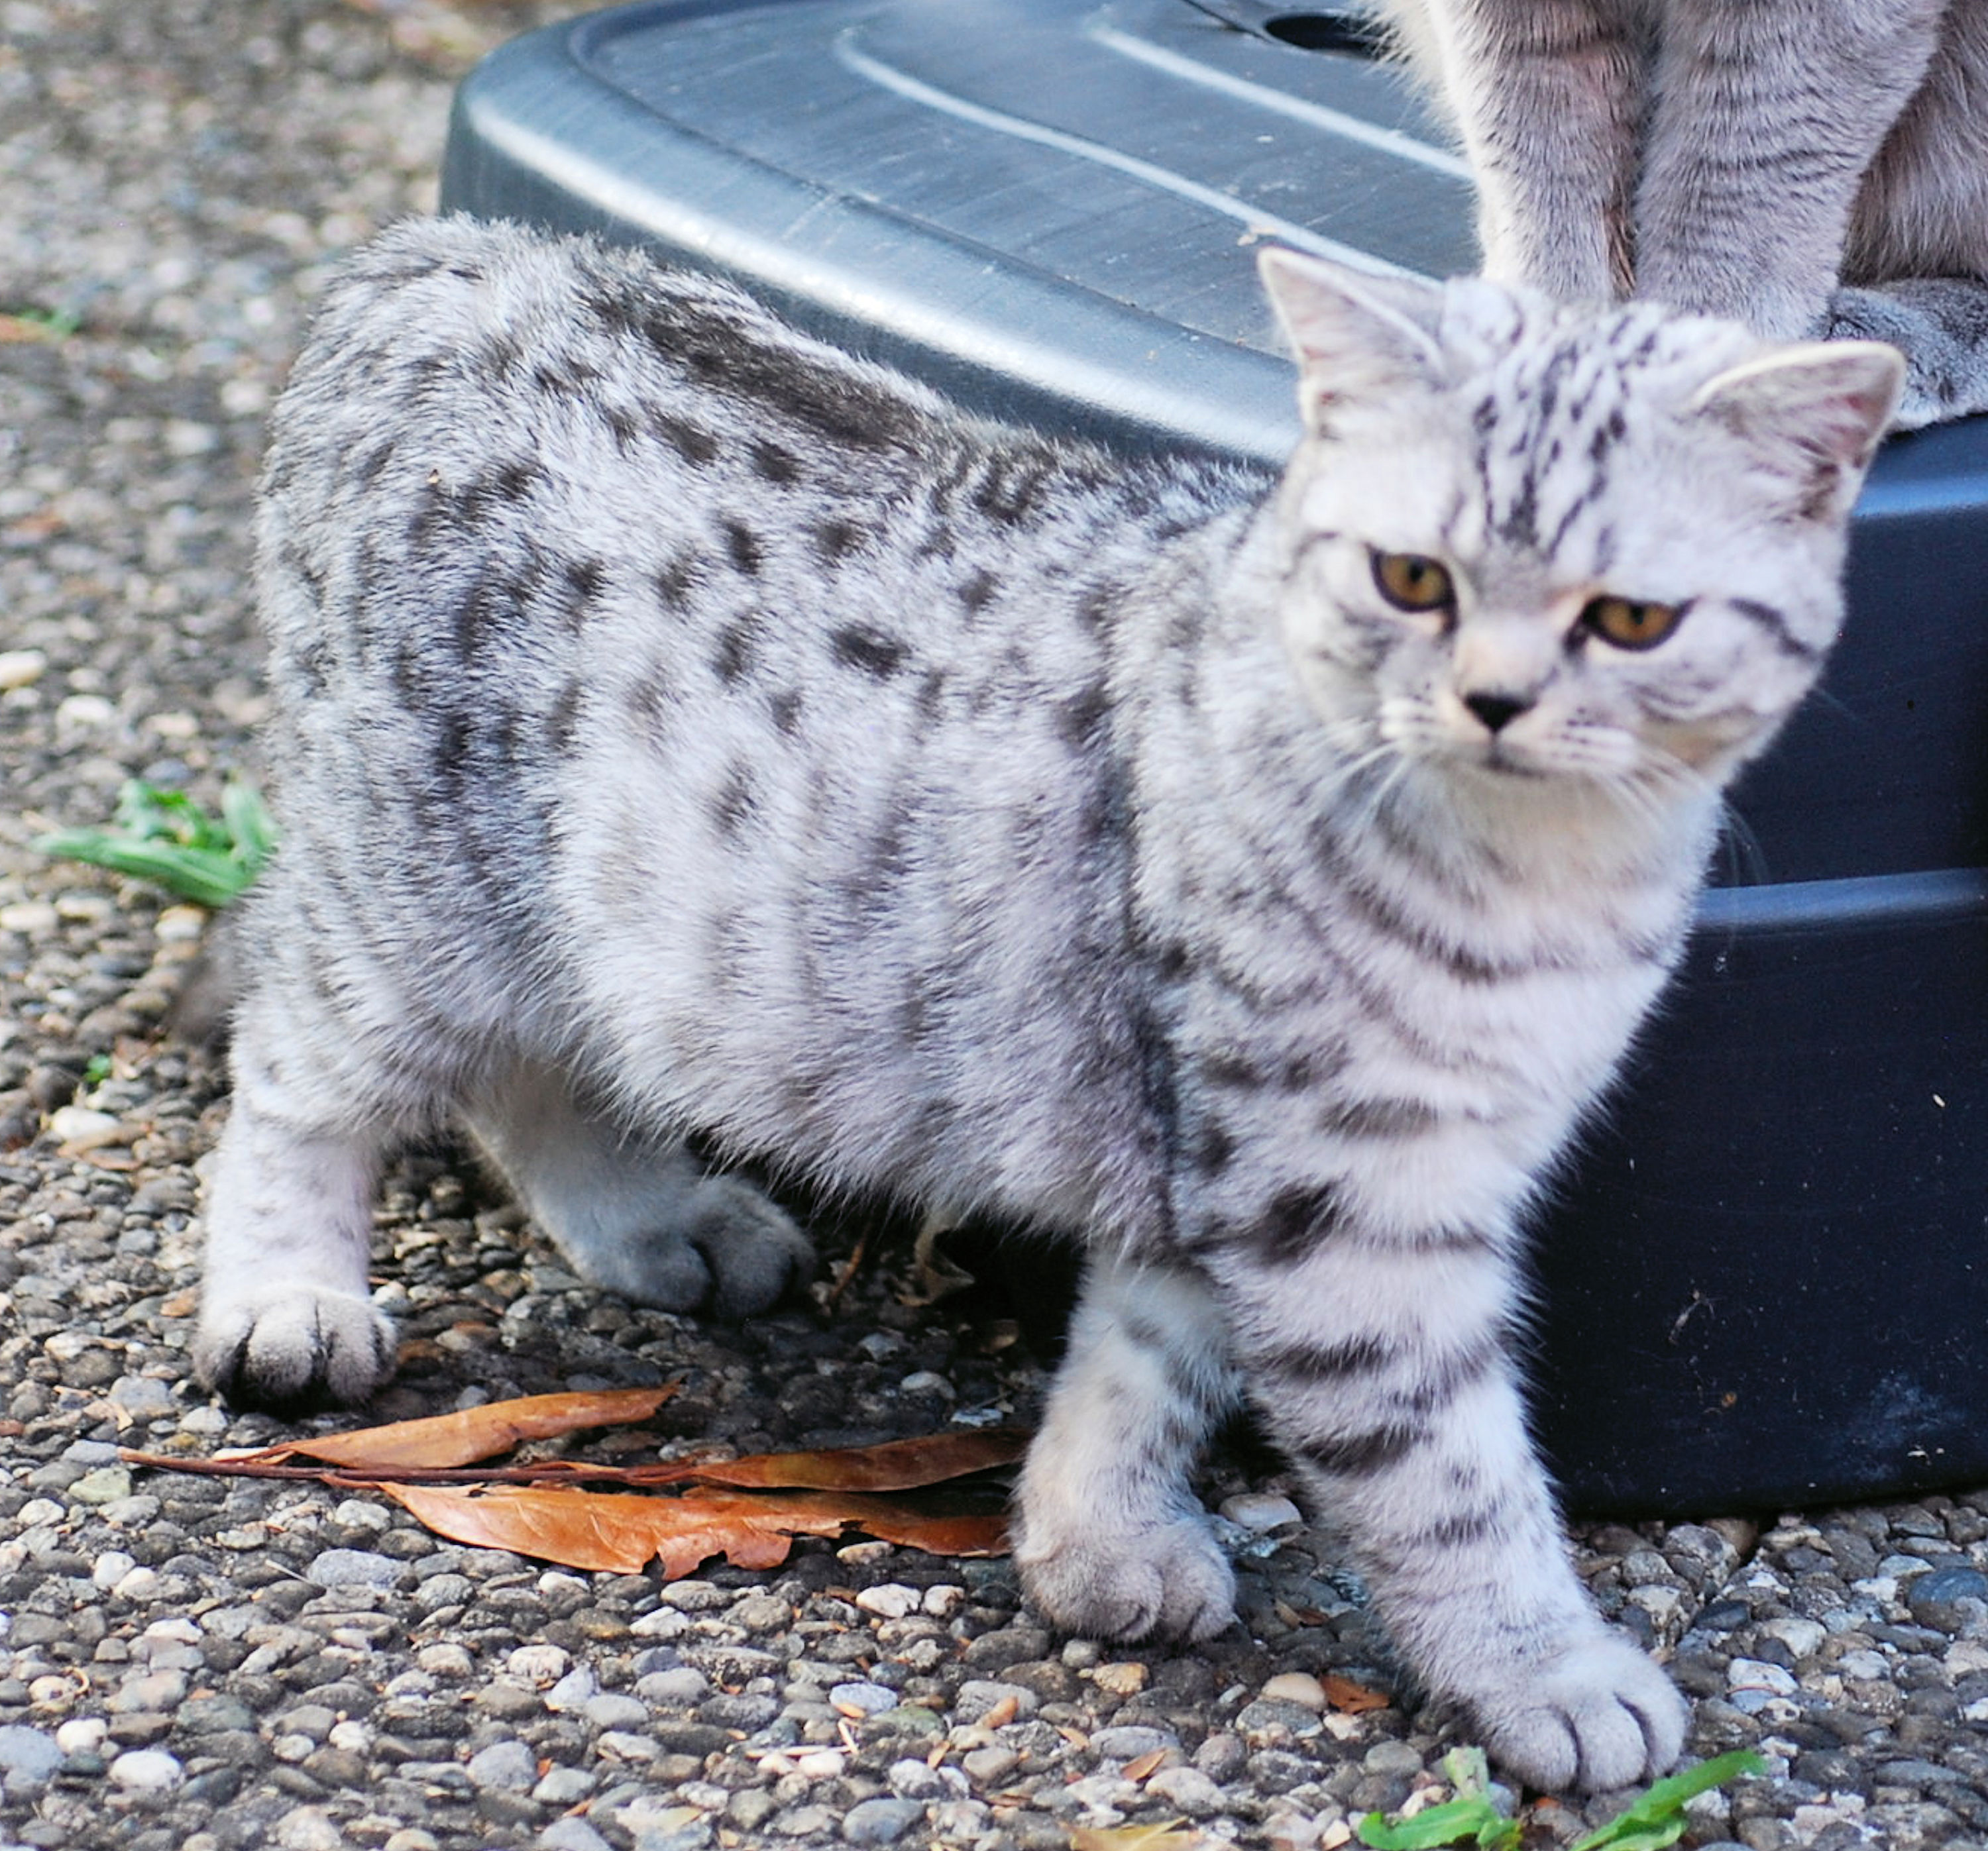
1732 157
678 724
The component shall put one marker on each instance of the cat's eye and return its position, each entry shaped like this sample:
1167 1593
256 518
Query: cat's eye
1410 582
1630 623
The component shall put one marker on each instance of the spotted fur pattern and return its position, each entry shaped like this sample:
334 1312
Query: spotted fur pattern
1736 157
678 724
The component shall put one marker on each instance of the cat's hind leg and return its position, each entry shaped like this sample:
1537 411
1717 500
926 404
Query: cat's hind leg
1113 1543
639 1214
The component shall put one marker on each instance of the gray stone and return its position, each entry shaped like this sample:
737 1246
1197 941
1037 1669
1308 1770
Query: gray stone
1946 1598
505 1767
26 1754
870 1699
354 1567
881 1822
571 1835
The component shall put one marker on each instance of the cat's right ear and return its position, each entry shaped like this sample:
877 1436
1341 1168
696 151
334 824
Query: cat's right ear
1355 337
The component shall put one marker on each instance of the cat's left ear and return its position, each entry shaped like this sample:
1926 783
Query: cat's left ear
1813 413
1355 337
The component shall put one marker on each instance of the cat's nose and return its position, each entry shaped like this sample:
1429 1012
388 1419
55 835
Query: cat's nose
1497 710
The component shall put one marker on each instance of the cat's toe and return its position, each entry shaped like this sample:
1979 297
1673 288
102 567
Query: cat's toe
1602 1715
1171 1582
294 1347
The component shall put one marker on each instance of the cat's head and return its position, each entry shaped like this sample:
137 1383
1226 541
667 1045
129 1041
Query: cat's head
1523 539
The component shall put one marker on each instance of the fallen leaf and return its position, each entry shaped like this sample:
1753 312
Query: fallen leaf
1172 1836
474 1433
1140 1767
896 1465
1353 1699
616 1532
1003 1713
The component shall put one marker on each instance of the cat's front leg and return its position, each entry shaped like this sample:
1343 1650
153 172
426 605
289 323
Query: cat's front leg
1113 1543
1384 1370
1764 122
1546 97
286 1319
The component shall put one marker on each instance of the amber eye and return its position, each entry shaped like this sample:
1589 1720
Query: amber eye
1630 623
1409 582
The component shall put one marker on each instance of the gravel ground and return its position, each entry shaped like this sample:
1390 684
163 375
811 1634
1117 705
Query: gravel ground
195 1664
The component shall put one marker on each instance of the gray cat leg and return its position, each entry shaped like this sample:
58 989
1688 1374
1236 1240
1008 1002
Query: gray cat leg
1547 100
1759 144
642 1217
1112 1543
1384 1374
284 1315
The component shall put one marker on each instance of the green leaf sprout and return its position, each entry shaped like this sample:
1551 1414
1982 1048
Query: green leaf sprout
164 837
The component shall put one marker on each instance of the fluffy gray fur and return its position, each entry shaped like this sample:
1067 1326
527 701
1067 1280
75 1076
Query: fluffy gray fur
677 723
1738 158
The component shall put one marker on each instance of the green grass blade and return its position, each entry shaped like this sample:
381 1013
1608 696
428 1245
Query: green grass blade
1457 1821
1661 1806
164 837
203 875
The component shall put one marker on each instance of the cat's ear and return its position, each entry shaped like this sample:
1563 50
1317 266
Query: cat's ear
1813 413
1356 337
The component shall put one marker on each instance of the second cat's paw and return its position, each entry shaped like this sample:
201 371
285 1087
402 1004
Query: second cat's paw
1171 1582
723 1247
292 1346
1597 1716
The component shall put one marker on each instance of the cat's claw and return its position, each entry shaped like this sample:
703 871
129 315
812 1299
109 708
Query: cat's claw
1171 1582
293 1346
1600 1716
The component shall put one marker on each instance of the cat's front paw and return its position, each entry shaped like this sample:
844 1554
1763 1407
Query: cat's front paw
1171 1582
292 1346
725 1246
1599 1715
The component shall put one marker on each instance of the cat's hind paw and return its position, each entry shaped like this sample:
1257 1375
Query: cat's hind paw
1600 1715
1171 1582
725 1246
291 1347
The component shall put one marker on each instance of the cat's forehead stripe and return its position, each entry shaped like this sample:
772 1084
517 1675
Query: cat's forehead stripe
1546 425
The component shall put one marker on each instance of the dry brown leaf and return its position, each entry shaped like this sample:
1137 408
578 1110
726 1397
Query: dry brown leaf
615 1533
1141 1765
475 1433
1352 1699
1174 1835
896 1465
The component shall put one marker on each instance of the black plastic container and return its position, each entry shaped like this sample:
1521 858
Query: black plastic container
1766 1281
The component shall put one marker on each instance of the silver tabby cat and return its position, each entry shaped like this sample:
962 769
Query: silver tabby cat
677 723
1734 157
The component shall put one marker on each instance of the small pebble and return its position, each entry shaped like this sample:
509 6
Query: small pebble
881 1822
1295 1687
892 1600
21 668
867 1699
505 1767
146 1771
354 1567
1260 1511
